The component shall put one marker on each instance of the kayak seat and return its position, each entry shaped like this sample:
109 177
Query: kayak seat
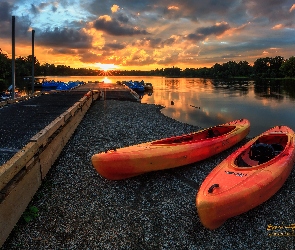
278 148
183 139
241 163
213 133
261 152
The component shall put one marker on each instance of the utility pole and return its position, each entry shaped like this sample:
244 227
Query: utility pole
33 61
13 57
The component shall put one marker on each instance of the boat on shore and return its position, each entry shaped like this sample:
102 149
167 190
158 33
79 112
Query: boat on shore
148 86
135 85
138 86
169 152
248 177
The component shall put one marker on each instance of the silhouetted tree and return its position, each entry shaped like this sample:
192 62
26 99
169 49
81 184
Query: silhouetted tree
5 65
288 67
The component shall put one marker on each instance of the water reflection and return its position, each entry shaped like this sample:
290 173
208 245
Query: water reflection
206 103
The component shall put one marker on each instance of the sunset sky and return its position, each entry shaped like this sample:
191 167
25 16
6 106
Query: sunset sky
149 34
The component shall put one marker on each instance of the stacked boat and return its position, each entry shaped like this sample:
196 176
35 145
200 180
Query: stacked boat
245 179
135 85
59 85
138 86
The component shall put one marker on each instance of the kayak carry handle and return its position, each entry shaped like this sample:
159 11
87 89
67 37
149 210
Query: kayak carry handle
111 149
210 190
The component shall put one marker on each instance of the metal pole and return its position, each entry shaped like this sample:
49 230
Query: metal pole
13 57
33 61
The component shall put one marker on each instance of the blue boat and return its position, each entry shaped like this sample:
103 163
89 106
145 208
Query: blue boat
63 86
135 85
51 84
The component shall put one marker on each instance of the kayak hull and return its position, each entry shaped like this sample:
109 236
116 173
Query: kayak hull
240 182
170 152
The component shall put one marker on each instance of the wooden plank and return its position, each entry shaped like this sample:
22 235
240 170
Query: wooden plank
42 137
66 115
9 169
48 157
15 203
72 110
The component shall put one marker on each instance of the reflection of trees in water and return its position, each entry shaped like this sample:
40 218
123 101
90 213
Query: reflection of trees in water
275 89
172 83
288 88
263 88
232 85
204 81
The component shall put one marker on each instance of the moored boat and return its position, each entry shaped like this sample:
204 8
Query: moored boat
51 84
247 178
148 86
169 152
135 85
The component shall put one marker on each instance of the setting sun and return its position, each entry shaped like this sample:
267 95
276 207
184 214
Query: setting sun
106 67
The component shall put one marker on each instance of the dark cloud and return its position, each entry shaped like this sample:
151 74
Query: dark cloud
198 10
64 51
104 7
169 60
54 8
169 42
272 10
216 29
115 28
67 3
123 18
5 11
22 25
34 9
149 43
67 38
88 57
203 32
114 46
137 60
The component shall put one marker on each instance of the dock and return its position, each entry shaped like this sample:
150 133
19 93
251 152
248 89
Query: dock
33 131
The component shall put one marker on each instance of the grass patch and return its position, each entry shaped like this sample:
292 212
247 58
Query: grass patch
30 213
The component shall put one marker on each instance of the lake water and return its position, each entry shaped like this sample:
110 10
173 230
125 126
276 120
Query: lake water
206 102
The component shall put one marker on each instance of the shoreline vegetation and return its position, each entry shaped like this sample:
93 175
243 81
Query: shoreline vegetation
263 68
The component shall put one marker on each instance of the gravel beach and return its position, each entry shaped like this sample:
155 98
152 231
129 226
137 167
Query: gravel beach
78 209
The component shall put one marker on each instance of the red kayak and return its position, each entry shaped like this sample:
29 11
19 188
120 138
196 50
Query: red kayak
170 152
247 178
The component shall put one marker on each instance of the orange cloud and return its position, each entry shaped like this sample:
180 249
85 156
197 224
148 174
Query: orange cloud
115 8
278 27
292 8
173 8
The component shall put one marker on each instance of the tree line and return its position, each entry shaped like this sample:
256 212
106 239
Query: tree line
268 67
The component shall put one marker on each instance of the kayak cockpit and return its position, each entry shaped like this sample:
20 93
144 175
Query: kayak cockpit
197 136
262 150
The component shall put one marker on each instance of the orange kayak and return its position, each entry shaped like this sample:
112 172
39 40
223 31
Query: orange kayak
247 178
170 152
